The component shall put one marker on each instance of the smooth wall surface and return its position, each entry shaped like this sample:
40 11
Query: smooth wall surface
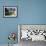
7 25
29 12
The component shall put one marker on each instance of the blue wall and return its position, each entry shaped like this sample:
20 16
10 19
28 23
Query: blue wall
29 12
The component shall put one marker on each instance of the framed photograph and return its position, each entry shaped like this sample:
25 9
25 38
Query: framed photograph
10 11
